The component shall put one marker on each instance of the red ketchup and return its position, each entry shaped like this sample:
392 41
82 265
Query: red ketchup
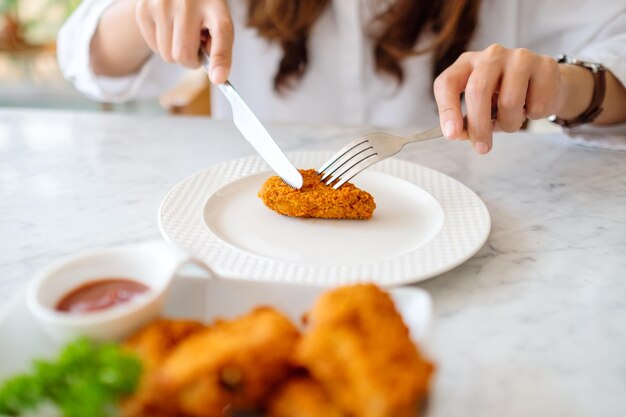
100 294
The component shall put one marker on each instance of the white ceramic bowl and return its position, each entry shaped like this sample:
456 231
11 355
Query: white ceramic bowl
153 264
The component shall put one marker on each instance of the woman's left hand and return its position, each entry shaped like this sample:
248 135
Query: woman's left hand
521 83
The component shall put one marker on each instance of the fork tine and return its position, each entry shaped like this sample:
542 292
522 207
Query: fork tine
349 172
341 153
350 159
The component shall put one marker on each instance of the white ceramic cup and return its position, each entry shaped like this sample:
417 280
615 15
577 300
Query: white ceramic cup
153 264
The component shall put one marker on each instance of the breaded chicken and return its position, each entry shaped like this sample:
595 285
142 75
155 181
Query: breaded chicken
154 341
152 344
229 366
359 349
302 397
315 199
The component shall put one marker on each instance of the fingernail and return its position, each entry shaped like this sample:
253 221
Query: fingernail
481 148
448 129
218 74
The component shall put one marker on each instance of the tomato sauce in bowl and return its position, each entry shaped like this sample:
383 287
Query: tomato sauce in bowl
99 295
89 294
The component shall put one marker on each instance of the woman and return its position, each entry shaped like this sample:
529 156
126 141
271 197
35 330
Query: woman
366 61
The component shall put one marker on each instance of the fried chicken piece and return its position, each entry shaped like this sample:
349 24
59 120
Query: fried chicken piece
360 351
152 344
302 397
315 199
229 366
154 341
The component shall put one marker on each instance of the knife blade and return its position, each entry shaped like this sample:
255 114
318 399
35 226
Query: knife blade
255 133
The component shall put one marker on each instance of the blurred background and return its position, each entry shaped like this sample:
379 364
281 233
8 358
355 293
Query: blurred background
30 76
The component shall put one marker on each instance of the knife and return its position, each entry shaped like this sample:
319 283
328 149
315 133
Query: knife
254 132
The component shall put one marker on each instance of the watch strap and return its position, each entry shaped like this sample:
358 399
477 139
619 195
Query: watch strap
599 91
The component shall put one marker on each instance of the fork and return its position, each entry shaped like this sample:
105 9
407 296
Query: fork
364 152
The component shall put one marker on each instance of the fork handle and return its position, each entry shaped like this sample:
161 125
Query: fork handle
433 133
436 132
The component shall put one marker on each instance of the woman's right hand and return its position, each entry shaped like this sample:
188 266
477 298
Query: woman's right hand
172 29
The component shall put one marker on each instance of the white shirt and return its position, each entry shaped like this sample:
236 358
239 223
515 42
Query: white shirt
341 85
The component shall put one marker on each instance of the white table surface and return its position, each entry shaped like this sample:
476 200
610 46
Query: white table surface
533 325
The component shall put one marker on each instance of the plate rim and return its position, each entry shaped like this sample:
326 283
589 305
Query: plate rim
300 273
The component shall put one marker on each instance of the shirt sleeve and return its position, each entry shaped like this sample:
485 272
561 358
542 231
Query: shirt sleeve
592 31
607 47
73 55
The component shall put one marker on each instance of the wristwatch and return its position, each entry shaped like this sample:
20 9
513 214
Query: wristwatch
599 90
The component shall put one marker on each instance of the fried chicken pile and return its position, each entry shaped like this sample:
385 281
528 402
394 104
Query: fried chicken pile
230 365
316 199
355 359
360 350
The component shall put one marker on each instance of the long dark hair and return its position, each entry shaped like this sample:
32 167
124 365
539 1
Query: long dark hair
395 32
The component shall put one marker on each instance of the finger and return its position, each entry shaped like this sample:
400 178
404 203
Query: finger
512 94
186 37
481 86
543 89
219 23
447 88
145 25
164 26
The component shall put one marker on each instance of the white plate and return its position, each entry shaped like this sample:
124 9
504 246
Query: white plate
425 223
21 338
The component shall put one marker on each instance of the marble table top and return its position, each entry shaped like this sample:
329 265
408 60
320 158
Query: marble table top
533 325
